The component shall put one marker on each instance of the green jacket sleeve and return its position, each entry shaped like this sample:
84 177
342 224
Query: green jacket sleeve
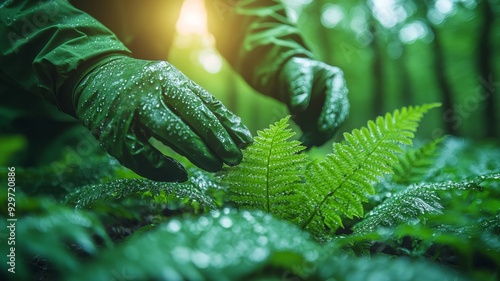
256 38
49 45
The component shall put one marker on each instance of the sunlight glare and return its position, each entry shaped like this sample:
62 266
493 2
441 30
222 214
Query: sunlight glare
210 61
332 15
389 12
412 32
193 18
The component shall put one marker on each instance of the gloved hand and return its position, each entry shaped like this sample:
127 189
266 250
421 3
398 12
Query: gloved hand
316 96
125 101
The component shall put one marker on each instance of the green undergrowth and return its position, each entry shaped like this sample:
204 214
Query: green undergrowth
375 208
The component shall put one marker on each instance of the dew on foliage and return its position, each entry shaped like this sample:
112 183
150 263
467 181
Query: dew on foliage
182 253
262 240
222 242
168 273
200 259
259 254
258 228
414 221
226 222
215 214
174 226
217 260
204 222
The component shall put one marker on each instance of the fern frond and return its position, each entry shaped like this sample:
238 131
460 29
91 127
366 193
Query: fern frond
270 167
342 181
415 163
59 178
416 200
188 192
491 224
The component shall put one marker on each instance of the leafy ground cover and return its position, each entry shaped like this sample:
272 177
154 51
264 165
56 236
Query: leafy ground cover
376 208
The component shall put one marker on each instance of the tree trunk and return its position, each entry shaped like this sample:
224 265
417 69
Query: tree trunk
486 69
443 84
404 79
377 72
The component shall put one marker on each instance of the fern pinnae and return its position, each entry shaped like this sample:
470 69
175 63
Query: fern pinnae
416 200
414 163
343 179
270 169
122 188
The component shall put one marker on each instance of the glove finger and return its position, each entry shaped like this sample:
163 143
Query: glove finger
173 132
206 125
328 107
232 123
298 83
118 135
145 160
336 107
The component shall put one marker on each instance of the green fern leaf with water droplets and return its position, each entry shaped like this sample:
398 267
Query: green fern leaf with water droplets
199 192
270 169
339 185
416 200
414 163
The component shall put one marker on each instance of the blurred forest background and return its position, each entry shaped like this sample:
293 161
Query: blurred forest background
393 52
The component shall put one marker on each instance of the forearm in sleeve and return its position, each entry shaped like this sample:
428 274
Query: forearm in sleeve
48 44
256 38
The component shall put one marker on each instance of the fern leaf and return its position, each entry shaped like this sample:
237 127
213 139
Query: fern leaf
188 192
270 167
341 182
491 224
416 200
61 177
415 163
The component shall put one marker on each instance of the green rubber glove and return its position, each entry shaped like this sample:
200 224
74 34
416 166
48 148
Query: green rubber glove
316 95
125 101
